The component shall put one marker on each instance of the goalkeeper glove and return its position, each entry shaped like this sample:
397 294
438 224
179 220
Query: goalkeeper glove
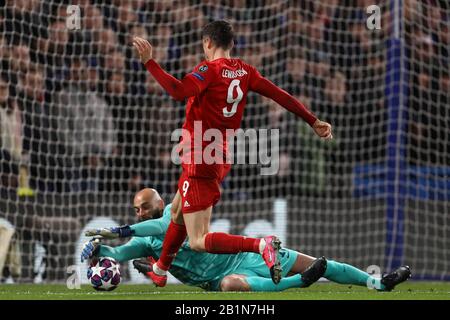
111 233
90 249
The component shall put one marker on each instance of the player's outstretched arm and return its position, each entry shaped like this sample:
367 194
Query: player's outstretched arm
266 88
147 228
179 90
135 248
111 233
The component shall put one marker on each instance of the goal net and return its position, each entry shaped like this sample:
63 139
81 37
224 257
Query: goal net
84 126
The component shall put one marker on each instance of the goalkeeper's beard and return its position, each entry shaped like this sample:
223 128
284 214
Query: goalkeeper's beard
154 214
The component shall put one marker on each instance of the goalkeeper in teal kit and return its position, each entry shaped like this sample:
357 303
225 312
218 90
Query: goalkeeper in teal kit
244 271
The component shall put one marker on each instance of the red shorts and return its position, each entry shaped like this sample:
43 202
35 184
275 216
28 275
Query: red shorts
199 185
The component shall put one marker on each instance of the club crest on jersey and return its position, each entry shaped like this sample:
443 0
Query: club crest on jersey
203 68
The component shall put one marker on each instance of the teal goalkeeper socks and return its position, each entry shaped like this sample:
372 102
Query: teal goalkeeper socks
346 274
337 272
266 284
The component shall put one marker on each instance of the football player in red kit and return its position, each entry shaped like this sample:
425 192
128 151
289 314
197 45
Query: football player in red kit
216 90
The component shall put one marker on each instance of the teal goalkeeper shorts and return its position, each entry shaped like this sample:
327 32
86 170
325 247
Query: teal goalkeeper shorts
253 265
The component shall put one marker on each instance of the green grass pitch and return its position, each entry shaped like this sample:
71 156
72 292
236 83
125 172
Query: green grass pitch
320 291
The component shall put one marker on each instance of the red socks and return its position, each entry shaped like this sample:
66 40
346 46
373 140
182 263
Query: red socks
176 233
218 242
215 242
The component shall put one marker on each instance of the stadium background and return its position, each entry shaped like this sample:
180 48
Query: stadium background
84 126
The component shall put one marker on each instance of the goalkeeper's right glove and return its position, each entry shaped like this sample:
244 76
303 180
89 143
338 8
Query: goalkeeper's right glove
111 233
90 249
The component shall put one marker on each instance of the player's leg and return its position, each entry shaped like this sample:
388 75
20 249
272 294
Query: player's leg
306 271
200 191
336 271
235 282
302 262
175 235
175 210
266 284
256 277
199 194
344 273
174 238
200 239
197 226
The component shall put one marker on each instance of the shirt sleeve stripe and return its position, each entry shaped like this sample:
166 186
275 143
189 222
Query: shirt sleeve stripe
198 76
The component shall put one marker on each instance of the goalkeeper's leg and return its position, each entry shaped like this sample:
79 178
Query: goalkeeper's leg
344 273
236 282
258 283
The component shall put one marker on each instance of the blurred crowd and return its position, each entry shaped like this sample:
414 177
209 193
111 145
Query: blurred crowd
79 112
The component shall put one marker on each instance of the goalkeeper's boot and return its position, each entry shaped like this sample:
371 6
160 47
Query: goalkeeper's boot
146 267
395 277
314 272
270 256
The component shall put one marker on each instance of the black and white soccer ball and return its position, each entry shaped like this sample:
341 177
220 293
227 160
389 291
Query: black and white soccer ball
104 274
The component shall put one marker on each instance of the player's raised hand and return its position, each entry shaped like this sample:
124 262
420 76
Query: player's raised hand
322 129
110 233
144 48
90 248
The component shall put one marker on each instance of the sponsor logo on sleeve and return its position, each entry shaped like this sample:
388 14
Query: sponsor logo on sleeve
203 68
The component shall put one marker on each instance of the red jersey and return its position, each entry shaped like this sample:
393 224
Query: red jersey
217 92
223 85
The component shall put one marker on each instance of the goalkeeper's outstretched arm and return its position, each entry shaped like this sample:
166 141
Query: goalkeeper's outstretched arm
153 227
133 249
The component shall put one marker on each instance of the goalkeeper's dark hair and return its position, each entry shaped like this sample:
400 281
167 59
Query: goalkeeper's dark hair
220 32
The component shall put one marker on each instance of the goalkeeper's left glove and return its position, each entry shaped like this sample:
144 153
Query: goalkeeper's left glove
90 249
111 233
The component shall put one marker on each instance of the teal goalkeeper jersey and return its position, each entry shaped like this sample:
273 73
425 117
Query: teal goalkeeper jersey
190 267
